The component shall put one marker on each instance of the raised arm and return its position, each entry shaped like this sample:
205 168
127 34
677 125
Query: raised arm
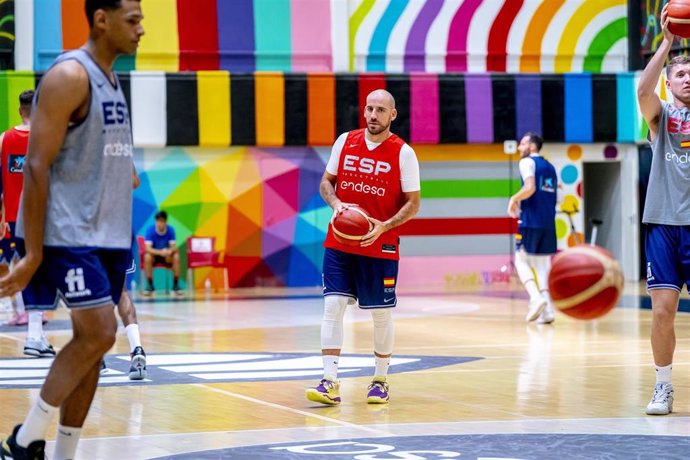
650 105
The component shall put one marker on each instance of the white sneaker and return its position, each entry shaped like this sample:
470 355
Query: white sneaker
662 400
39 348
547 316
536 306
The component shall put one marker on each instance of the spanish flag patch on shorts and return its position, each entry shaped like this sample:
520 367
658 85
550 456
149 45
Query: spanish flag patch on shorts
389 281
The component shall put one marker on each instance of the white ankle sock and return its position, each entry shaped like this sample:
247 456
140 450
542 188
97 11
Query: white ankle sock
133 336
66 442
19 303
330 366
36 423
381 366
35 325
663 373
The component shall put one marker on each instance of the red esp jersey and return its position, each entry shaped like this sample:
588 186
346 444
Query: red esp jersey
14 145
370 179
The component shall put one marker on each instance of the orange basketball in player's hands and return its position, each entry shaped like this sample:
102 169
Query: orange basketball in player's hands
679 17
350 225
585 281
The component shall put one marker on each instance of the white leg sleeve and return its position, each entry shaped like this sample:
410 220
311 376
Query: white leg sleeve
383 331
542 266
332 324
524 271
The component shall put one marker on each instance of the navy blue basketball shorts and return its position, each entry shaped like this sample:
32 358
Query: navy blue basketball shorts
536 241
80 277
12 248
668 256
369 280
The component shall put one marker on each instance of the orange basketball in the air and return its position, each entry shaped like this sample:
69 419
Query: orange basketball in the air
350 225
585 281
679 17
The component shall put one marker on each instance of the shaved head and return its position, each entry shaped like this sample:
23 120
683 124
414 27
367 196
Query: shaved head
383 96
379 112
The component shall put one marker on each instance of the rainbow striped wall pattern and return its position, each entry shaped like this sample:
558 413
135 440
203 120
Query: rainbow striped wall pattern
264 208
272 109
347 35
275 109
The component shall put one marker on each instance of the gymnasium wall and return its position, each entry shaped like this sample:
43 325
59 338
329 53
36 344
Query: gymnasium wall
339 35
235 144
215 109
263 207
261 201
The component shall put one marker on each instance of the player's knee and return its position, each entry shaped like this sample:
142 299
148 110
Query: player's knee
664 314
100 333
521 257
382 318
334 308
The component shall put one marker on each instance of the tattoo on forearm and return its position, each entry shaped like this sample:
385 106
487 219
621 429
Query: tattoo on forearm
328 192
406 213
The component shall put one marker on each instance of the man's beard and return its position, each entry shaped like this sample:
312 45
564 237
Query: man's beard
375 131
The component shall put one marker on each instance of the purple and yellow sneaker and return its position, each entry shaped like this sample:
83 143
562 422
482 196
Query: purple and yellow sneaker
378 391
10 450
327 392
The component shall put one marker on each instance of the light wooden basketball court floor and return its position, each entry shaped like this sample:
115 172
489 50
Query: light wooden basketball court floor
470 380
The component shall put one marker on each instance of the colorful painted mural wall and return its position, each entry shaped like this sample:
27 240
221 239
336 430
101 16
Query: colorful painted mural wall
263 207
217 108
651 34
342 35
235 148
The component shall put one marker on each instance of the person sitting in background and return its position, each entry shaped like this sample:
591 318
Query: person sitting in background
161 249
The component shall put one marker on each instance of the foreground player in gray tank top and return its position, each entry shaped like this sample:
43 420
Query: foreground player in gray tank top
75 219
667 207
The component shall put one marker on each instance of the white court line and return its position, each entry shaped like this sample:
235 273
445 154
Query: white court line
526 345
503 369
288 409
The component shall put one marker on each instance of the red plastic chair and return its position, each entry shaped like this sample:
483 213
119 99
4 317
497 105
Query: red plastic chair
201 252
141 243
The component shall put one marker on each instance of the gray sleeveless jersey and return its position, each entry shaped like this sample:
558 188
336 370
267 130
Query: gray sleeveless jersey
90 190
668 193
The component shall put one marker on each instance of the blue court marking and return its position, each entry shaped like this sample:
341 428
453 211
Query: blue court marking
185 368
467 447
52 325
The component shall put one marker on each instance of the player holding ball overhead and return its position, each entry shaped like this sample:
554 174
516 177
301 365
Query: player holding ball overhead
666 213
377 171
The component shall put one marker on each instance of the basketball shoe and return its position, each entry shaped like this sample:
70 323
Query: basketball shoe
137 370
148 292
536 306
327 392
662 400
10 450
378 391
39 348
547 316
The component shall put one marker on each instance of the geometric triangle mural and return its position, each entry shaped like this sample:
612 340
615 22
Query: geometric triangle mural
262 205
